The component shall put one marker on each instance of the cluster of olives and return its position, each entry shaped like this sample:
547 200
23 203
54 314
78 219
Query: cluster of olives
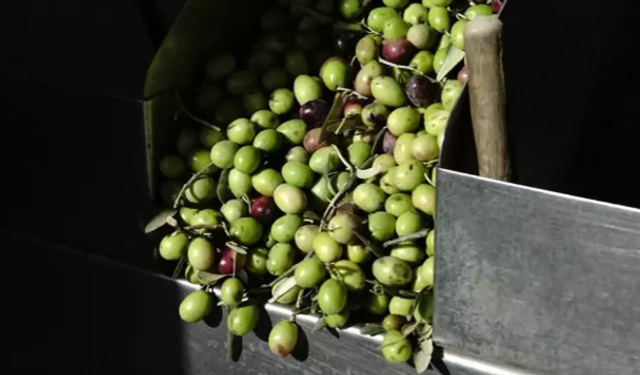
283 195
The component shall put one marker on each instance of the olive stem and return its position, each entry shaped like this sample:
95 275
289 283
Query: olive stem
413 236
188 183
344 119
179 266
342 159
369 30
368 245
192 116
290 270
426 176
352 92
378 139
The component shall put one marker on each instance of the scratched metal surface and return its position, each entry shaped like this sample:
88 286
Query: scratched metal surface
537 280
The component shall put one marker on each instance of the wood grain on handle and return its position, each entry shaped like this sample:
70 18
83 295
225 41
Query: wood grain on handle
483 48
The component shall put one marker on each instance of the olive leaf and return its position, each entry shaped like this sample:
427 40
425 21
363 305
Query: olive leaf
312 216
179 267
365 174
320 325
407 293
409 328
372 329
235 247
334 115
224 193
422 356
341 125
425 331
243 276
159 220
282 288
454 57
208 278
409 237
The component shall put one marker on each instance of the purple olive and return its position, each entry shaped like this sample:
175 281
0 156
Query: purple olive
314 112
389 142
421 91
398 51
311 141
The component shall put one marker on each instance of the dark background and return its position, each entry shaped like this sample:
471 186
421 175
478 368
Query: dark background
73 156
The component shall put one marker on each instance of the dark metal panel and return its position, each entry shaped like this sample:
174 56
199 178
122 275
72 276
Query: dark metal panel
535 279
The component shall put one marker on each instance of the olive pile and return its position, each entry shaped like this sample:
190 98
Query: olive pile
321 193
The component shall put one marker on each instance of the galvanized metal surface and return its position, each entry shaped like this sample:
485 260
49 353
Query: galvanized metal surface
538 280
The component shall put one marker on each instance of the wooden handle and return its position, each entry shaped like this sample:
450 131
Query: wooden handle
483 48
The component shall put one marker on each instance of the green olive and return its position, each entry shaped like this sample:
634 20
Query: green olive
395 28
246 230
439 19
427 271
239 183
266 181
478 11
290 199
436 123
187 142
280 259
304 237
254 101
357 253
450 93
385 162
257 261
387 91
275 78
261 60
195 306
307 89
284 229
350 9
416 14
403 120
424 199
393 322
296 63
379 16
243 320
200 161
382 226
422 37
367 49
388 182
422 62
283 338
320 195
358 153
234 209
409 222
365 76
192 275
396 4
430 110
293 131
332 297
240 82
440 3
342 228
281 101
396 348
206 217
186 214
340 180
247 159
268 140
326 248
457 34
265 119
409 175
378 304
325 158
425 148
201 254
369 197
241 131
391 271
297 153
172 166
398 204
202 190
401 306
431 243
423 312
207 98
310 273
334 73
210 136
276 43
338 320
229 110
375 115
298 174
219 66
231 292
402 149
289 297
223 153
408 251
173 245
438 59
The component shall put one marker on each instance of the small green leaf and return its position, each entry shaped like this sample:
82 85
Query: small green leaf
312 216
180 266
454 57
284 286
208 278
320 325
235 247
334 114
409 328
342 125
425 331
407 293
372 329
224 193
422 356
365 174
159 220
243 276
